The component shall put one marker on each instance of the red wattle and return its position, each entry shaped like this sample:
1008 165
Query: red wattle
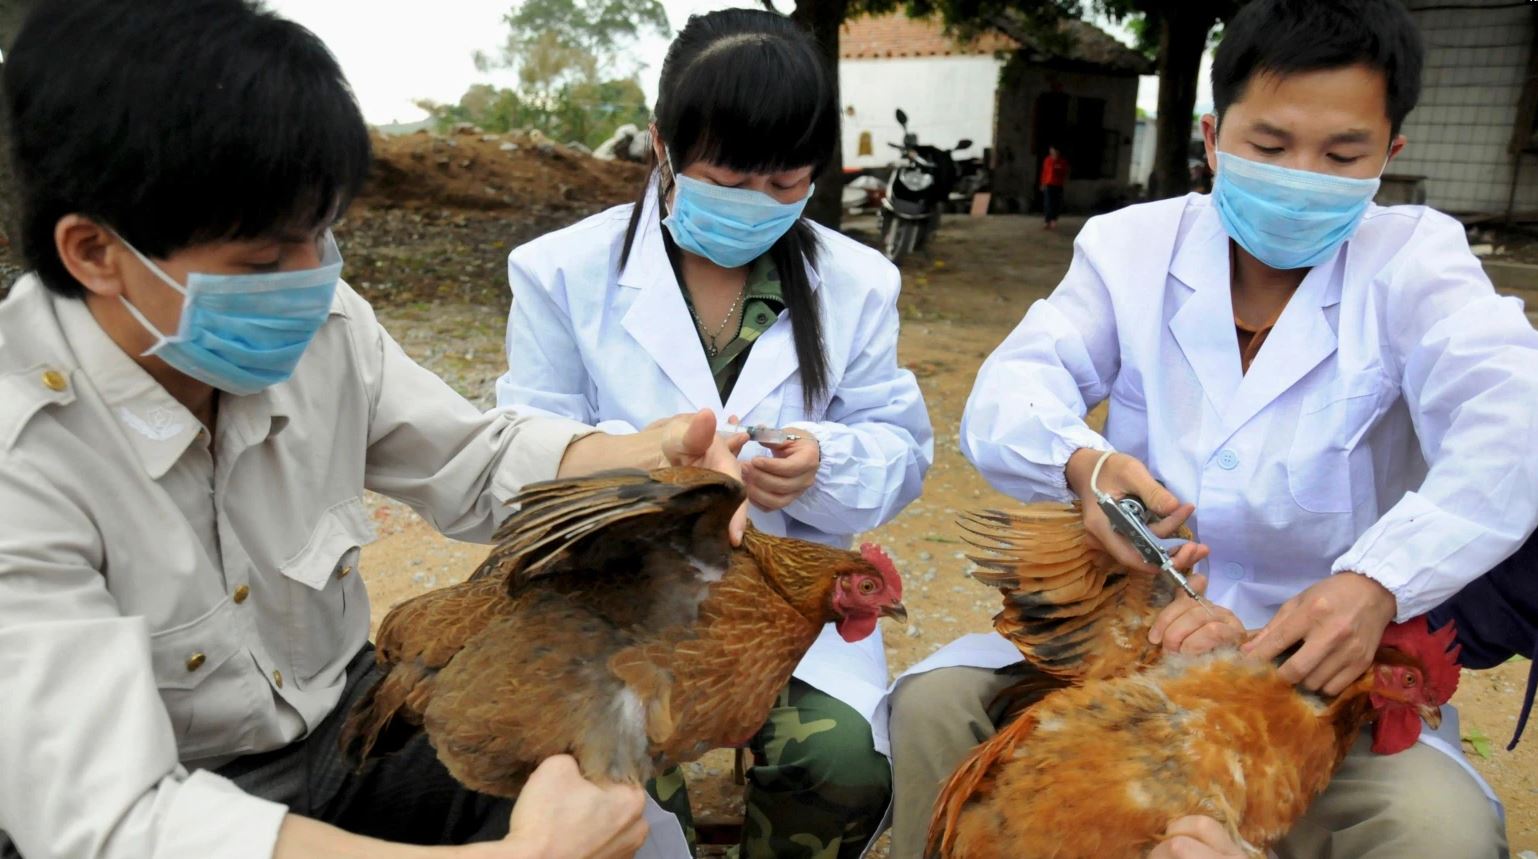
1397 729
856 627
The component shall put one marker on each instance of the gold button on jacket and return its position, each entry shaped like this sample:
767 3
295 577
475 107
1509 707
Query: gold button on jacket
53 380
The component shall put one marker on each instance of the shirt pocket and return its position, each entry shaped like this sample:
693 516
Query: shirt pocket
326 595
1325 470
200 678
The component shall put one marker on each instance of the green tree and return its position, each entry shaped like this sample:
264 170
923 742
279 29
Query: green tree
585 112
570 57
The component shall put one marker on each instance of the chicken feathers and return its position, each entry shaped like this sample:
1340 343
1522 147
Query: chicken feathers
615 622
1111 739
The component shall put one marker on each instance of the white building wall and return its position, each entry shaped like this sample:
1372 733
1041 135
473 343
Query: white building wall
1458 135
946 98
1143 138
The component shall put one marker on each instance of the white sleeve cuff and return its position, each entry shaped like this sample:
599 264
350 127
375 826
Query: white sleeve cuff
535 453
1065 444
211 817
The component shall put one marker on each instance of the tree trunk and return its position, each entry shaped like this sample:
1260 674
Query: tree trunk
822 18
11 14
1183 29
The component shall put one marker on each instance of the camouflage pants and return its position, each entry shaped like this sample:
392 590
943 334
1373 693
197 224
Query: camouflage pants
817 788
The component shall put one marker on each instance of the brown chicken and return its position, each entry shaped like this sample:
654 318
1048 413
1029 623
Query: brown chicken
1112 739
613 622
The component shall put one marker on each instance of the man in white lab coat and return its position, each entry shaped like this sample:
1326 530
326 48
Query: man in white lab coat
1334 396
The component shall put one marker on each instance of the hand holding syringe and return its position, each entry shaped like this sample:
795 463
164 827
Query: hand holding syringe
761 433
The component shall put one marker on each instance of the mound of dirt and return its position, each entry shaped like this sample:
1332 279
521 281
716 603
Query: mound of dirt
440 212
476 171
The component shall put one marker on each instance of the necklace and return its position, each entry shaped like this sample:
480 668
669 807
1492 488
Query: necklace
711 346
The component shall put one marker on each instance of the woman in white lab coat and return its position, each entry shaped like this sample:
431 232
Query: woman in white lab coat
713 292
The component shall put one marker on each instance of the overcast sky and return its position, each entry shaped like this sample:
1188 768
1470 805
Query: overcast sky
394 54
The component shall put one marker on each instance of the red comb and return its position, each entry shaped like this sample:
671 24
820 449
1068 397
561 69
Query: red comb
1435 651
876 557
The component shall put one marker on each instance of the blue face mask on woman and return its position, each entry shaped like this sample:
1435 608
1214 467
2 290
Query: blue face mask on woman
731 227
1288 218
244 333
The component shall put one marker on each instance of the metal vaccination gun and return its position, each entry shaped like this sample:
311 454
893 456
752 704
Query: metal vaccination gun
1129 517
761 433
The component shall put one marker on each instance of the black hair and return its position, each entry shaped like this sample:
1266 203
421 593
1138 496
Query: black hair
747 89
175 122
1289 36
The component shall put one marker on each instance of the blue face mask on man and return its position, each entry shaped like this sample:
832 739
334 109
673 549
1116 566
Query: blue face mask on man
731 227
244 333
1288 218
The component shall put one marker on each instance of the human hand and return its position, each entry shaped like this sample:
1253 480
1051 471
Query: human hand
1193 628
1197 837
692 440
561 815
775 481
1340 621
1123 475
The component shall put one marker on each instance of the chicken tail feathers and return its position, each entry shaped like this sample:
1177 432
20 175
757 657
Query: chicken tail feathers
968 779
387 716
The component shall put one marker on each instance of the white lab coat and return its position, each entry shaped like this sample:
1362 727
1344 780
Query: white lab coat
1393 354
619 350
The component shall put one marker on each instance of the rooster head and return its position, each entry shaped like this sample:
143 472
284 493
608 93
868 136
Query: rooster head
865 591
1414 674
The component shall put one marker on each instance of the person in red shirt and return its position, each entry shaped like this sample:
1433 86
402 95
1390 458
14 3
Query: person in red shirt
1054 175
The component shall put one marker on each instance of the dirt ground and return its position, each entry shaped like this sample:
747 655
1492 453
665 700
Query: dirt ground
957 304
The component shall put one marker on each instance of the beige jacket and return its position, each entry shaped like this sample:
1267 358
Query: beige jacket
167 599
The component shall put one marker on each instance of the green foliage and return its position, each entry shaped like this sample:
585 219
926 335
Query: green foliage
575 81
554 43
586 112
1477 741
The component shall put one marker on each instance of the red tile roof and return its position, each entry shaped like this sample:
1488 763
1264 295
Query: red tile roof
900 36
1075 44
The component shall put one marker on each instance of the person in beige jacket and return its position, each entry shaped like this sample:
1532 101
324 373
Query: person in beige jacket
191 406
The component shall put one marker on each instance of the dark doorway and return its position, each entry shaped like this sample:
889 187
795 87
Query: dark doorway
1076 126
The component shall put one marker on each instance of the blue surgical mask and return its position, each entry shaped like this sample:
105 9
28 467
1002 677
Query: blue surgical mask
244 333
731 227
1288 218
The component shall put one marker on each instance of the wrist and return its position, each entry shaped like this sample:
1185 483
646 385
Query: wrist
1380 596
504 849
600 451
1077 470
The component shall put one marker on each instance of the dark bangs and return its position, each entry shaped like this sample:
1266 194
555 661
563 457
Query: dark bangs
756 101
1286 37
176 123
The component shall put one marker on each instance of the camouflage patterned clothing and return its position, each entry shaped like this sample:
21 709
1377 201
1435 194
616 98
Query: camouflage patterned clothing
817 788
762 301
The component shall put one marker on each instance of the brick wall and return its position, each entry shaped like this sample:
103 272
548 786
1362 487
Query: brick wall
1476 60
